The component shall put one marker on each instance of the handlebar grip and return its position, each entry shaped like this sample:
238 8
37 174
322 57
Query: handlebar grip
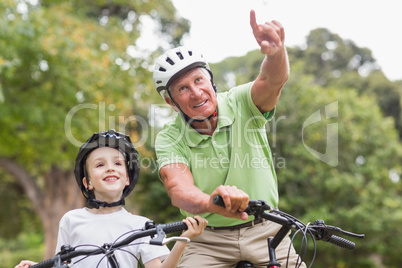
218 200
44 264
174 227
341 242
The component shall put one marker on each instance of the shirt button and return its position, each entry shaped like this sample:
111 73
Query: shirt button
214 142
220 155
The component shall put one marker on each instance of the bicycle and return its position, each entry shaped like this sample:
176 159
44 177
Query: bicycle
157 232
317 231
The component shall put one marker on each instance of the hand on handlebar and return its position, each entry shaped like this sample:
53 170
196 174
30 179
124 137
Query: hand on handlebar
195 226
25 264
236 202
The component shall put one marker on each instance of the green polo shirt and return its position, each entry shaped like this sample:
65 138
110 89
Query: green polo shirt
237 153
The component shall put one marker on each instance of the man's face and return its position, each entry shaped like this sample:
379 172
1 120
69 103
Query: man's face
194 94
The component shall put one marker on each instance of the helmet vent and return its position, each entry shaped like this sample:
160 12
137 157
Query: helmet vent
180 55
173 63
169 60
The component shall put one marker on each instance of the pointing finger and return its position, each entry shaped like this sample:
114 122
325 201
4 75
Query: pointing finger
253 21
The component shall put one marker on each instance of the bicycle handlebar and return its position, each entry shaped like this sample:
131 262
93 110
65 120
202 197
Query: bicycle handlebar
150 229
318 229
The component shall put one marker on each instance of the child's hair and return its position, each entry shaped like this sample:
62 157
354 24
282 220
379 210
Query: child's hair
115 140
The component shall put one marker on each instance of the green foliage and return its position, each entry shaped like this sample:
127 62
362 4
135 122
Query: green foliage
55 61
28 245
338 63
236 70
327 55
345 195
16 210
155 202
20 229
68 69
51 62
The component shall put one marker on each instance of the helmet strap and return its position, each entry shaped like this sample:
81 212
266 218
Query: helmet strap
97 204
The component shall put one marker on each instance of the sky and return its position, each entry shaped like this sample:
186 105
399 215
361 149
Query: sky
221 28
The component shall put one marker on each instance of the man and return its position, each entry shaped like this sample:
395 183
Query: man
217 146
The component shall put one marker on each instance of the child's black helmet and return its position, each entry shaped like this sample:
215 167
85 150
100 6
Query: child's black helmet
110 139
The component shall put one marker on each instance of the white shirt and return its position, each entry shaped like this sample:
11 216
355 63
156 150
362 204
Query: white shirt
81 227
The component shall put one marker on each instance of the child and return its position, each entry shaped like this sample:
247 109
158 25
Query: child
106 171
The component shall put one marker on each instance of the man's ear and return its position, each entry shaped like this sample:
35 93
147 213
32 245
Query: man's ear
87 184
172 104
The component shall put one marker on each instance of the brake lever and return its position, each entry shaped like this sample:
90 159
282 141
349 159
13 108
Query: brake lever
334 230
326 231
165 240
175 238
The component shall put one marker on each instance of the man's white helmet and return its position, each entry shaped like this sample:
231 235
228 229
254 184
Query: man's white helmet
174 63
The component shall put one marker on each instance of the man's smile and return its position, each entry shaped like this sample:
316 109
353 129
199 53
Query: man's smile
199 105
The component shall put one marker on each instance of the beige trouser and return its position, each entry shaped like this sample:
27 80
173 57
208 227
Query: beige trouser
225 248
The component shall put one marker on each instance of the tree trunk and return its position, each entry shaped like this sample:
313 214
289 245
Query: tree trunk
58 195
61 195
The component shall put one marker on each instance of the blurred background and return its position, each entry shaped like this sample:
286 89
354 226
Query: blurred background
71 68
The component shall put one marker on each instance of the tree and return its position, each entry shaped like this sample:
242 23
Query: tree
335 62
357 183
68 69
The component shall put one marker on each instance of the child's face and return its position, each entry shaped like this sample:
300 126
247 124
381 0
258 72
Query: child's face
107 174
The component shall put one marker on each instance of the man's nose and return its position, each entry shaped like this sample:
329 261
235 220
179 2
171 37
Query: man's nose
196 91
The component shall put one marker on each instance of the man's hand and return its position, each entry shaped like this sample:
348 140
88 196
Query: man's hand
236 201
274 72
270 36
